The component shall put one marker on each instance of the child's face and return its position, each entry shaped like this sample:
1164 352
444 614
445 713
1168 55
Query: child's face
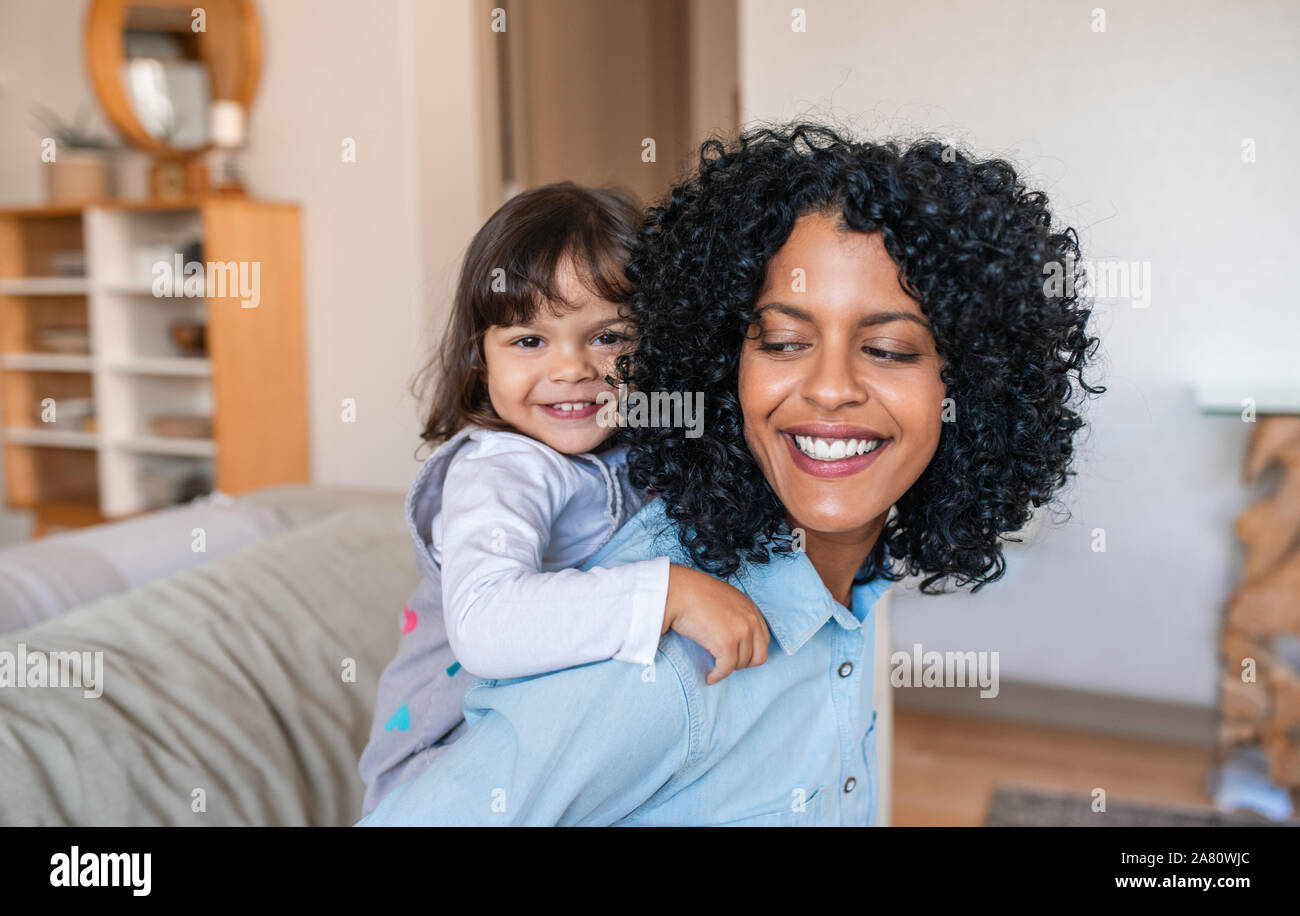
544 376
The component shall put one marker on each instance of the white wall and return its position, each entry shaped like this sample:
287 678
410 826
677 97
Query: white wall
382 236
41 62
1135 134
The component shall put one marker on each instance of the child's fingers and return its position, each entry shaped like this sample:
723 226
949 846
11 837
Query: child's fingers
723 664
758 638
744 652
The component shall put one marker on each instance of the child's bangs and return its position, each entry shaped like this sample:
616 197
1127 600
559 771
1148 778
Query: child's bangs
597 248
600 264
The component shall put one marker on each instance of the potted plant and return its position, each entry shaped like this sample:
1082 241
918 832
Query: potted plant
77 162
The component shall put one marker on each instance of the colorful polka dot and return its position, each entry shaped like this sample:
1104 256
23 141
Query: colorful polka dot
401 720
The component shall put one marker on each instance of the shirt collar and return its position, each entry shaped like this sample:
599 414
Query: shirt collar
796 603
787 589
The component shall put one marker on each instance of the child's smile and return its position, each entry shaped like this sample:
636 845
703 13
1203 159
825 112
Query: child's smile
571 410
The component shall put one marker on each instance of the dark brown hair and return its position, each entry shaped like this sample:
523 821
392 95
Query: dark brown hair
519 251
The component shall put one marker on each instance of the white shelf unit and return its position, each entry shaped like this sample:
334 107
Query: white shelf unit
181 366
132 371
55 438
138 372
47 362
43 286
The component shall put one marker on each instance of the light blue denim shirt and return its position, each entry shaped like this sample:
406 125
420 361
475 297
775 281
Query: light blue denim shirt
790 742
498 524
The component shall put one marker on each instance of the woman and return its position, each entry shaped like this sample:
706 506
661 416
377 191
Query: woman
871 331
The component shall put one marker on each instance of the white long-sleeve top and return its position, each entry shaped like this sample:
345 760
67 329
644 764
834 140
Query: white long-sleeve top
516 518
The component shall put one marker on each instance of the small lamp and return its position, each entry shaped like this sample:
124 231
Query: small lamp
229 133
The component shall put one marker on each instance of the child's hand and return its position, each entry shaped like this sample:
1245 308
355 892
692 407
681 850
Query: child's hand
718 616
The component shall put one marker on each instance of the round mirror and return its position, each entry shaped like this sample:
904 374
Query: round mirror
160 66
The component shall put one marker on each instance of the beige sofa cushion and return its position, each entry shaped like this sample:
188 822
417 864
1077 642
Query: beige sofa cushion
227 678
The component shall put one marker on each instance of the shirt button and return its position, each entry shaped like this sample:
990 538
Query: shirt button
846 669
849 784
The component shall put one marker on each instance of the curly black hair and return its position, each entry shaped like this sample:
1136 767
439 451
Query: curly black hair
975 249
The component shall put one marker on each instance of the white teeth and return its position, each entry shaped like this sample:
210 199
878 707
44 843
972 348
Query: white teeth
573 405
833 449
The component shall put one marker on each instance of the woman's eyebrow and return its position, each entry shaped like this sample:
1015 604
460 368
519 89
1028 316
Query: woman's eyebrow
871 320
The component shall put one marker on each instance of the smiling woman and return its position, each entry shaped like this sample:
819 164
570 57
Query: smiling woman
871 330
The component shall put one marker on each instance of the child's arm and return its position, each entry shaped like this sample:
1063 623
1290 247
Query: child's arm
506 618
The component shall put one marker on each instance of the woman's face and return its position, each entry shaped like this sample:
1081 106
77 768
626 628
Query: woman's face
839 380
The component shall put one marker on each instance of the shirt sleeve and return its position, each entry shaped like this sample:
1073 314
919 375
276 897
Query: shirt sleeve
505 617
585 746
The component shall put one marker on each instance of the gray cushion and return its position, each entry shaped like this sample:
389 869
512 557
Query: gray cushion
301 503
227 677
42 579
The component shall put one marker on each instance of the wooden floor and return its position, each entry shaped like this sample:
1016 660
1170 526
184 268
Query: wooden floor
946 767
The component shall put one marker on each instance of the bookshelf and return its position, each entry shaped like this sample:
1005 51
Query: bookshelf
120 393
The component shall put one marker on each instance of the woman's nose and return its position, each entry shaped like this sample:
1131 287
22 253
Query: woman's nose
834 381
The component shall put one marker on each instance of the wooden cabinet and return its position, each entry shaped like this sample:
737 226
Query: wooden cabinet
149 352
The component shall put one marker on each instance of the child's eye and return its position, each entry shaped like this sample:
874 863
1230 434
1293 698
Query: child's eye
528 343
610 337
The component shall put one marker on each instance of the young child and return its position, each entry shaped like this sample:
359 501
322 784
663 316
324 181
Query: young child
526 485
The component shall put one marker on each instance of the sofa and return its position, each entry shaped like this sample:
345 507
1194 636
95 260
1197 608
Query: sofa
235 691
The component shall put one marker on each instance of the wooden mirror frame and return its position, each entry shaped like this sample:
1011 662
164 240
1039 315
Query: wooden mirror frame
104 57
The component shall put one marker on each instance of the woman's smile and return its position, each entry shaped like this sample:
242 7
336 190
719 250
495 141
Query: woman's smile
825 450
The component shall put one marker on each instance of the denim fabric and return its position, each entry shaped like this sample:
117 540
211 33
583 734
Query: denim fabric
791 742
497 565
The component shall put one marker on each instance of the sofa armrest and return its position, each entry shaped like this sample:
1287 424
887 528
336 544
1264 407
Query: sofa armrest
44 578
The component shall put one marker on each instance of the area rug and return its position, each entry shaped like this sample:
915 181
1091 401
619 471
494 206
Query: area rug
1018 806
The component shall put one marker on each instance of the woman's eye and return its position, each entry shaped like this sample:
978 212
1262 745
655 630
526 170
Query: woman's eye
781 346
891 356
528 343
